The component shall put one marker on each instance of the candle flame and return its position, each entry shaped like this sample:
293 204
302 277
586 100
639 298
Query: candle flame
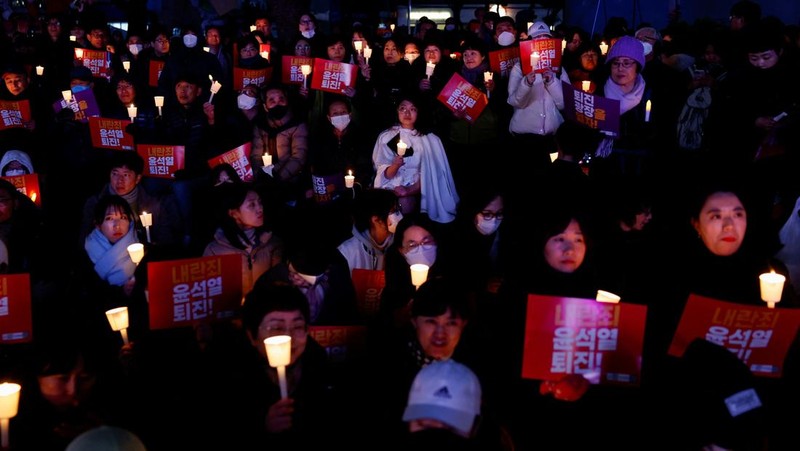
33 196
349 172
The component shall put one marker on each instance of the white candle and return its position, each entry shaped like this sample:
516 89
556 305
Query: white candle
401 148
358 45
429 68
553 157
487 76
419 274
305 69
146 218
647 107
118 319
453 56
136 252
9 405
266 159
126 65
252 28
367 53
79 53
40 70
349 180
207 49
603 47
530 24
391 27
563 45
607 296
159 101
279 355
534 60
771 287
215 87
67 94
73 38
265 55
132 110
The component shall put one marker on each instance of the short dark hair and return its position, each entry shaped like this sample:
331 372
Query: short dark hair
439 294
127 159
372 202
266 298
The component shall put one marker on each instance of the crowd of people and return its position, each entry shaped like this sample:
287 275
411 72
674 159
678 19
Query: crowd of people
696 194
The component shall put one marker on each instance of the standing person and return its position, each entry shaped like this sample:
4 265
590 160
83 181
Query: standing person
217 47
242 230
421 178
391 79
146 70
307 28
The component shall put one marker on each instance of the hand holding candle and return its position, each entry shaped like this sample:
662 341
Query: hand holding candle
279 355
215 87
9 406
647 107
118 319
771 287
349 179
401 148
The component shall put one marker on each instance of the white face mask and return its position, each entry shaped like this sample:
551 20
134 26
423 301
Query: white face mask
410 57
449 27
340 122
308 34
425 254
505 38
648 48
135 49
487 226
245 102
190 40
13 172
392 220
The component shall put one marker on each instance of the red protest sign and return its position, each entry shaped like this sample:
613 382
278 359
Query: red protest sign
333 77
548 52
98 61
342 343
160 160
14 114
582 336
458 94
759 336
239 158
501 61
16 325
28 185
244 77
290 71
369 285
110 133
196 290
154 72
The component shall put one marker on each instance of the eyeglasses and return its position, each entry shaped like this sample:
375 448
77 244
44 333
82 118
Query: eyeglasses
302 47
298 330
426 244
162 41
98 34
492 215
625 64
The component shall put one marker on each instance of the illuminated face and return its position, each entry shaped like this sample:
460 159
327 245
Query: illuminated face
763 60
115 225
248 51
503 27
439 335
262 25
589 60
124 180
289 323
337 52
337 109
15 83
126 92
306 23
250 214
722 223
472 58
187 92
407 114
98 39
302 48
161 44
275 97
212 37
67 390
411 49
433 54
623 72
390 53
565 252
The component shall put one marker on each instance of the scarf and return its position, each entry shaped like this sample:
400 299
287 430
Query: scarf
111 261
627 101
475 76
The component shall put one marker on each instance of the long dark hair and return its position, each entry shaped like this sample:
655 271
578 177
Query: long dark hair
231 196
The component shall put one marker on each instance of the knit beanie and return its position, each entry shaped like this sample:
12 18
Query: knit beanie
627 46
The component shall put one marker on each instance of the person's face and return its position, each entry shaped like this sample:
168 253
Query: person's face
248 51
250 214
763 60
415 236
67 390
407 114
134 39
642 219
78 82
53 28
274 98
289 323
503 27
14 165
336 52
115 225
493 209
98 39
161 44
124 180
433 54
472 58
589 60
574 42
565 252
722 223
15 83
262 25
737 23
223 177
212 37
187 92
390 53
711 56
337 109
623 71
7 204
439 335
126 92
411 49
306 24
302 48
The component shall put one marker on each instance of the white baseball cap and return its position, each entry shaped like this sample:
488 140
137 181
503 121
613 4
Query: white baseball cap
446 391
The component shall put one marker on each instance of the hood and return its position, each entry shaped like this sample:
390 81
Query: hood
17 155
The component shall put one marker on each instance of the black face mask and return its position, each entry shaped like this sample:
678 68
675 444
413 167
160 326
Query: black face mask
277 111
